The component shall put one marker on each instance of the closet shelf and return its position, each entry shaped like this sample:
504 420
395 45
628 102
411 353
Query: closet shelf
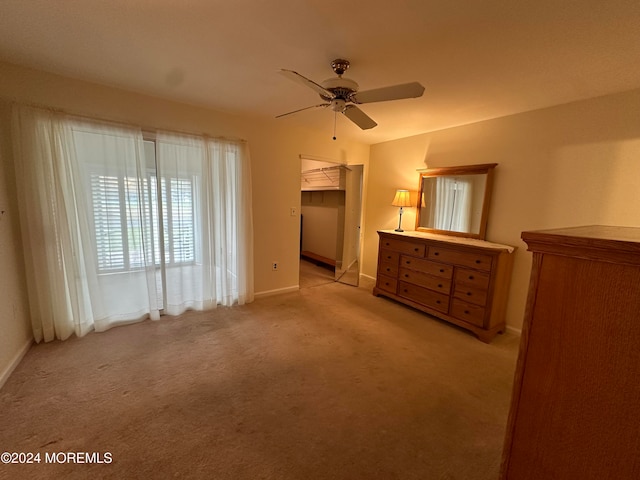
325 178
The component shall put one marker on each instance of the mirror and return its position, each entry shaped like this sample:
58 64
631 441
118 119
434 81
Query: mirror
455 200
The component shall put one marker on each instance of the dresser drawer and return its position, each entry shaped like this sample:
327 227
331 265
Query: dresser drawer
388 262
409 248
472 278
389 256
388 268
424 296
388 284
426 266
438 284
456 257
468 312
469 294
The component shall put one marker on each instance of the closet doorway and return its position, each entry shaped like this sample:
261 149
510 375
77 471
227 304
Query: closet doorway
330 215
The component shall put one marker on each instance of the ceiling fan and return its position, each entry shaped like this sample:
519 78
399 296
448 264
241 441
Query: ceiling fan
342 95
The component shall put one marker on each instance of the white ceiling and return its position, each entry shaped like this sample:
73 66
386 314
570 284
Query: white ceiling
477 59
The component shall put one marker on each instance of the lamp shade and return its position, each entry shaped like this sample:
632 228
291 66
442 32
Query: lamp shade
402 199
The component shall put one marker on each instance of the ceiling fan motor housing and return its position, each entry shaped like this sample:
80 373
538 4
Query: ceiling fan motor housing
341 87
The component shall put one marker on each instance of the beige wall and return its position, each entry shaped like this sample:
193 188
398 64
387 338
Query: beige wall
15 328
574 164
275 166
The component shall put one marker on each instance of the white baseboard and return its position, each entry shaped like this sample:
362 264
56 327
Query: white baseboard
277 291
364 275
4 376
514 330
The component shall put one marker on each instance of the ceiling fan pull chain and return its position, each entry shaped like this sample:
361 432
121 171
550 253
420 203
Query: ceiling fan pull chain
335 116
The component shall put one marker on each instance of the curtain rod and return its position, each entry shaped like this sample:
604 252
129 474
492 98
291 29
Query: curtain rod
143 128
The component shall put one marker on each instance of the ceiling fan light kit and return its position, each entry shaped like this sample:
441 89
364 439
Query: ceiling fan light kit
337 105
342 95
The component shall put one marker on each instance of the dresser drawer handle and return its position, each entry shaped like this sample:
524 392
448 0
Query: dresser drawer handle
416 249
436 253
386 283
438 302
478 261
408 262
406 291
439 285
468 294
442 270
406 275
388 257
470 277
388 269
466 312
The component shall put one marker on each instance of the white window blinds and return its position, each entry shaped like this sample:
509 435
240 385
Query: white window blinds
107 212
123 205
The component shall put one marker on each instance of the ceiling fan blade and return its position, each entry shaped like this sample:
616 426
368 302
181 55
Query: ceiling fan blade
395 92
358 117
296 77
301 109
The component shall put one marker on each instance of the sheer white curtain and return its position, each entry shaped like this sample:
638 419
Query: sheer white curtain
452 205
221 271
57 159
39 151
111 189
228 169
110 240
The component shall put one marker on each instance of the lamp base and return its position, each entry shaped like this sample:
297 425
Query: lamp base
399 229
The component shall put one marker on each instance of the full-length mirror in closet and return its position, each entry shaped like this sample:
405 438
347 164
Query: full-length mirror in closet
330 213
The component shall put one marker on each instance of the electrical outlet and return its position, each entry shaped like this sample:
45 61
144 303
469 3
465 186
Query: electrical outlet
274 266
294 211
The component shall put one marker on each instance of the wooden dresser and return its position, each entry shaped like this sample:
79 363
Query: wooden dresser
463 281
575 410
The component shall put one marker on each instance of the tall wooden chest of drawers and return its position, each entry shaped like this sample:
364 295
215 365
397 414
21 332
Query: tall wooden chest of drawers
575 410
463 281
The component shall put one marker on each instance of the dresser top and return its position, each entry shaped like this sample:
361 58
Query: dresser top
472 242
600 232
597 242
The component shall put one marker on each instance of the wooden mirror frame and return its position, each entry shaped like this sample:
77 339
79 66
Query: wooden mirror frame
482 169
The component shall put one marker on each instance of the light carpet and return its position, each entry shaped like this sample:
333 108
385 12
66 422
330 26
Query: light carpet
326 383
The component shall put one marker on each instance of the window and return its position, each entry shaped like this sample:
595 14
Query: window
122 203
